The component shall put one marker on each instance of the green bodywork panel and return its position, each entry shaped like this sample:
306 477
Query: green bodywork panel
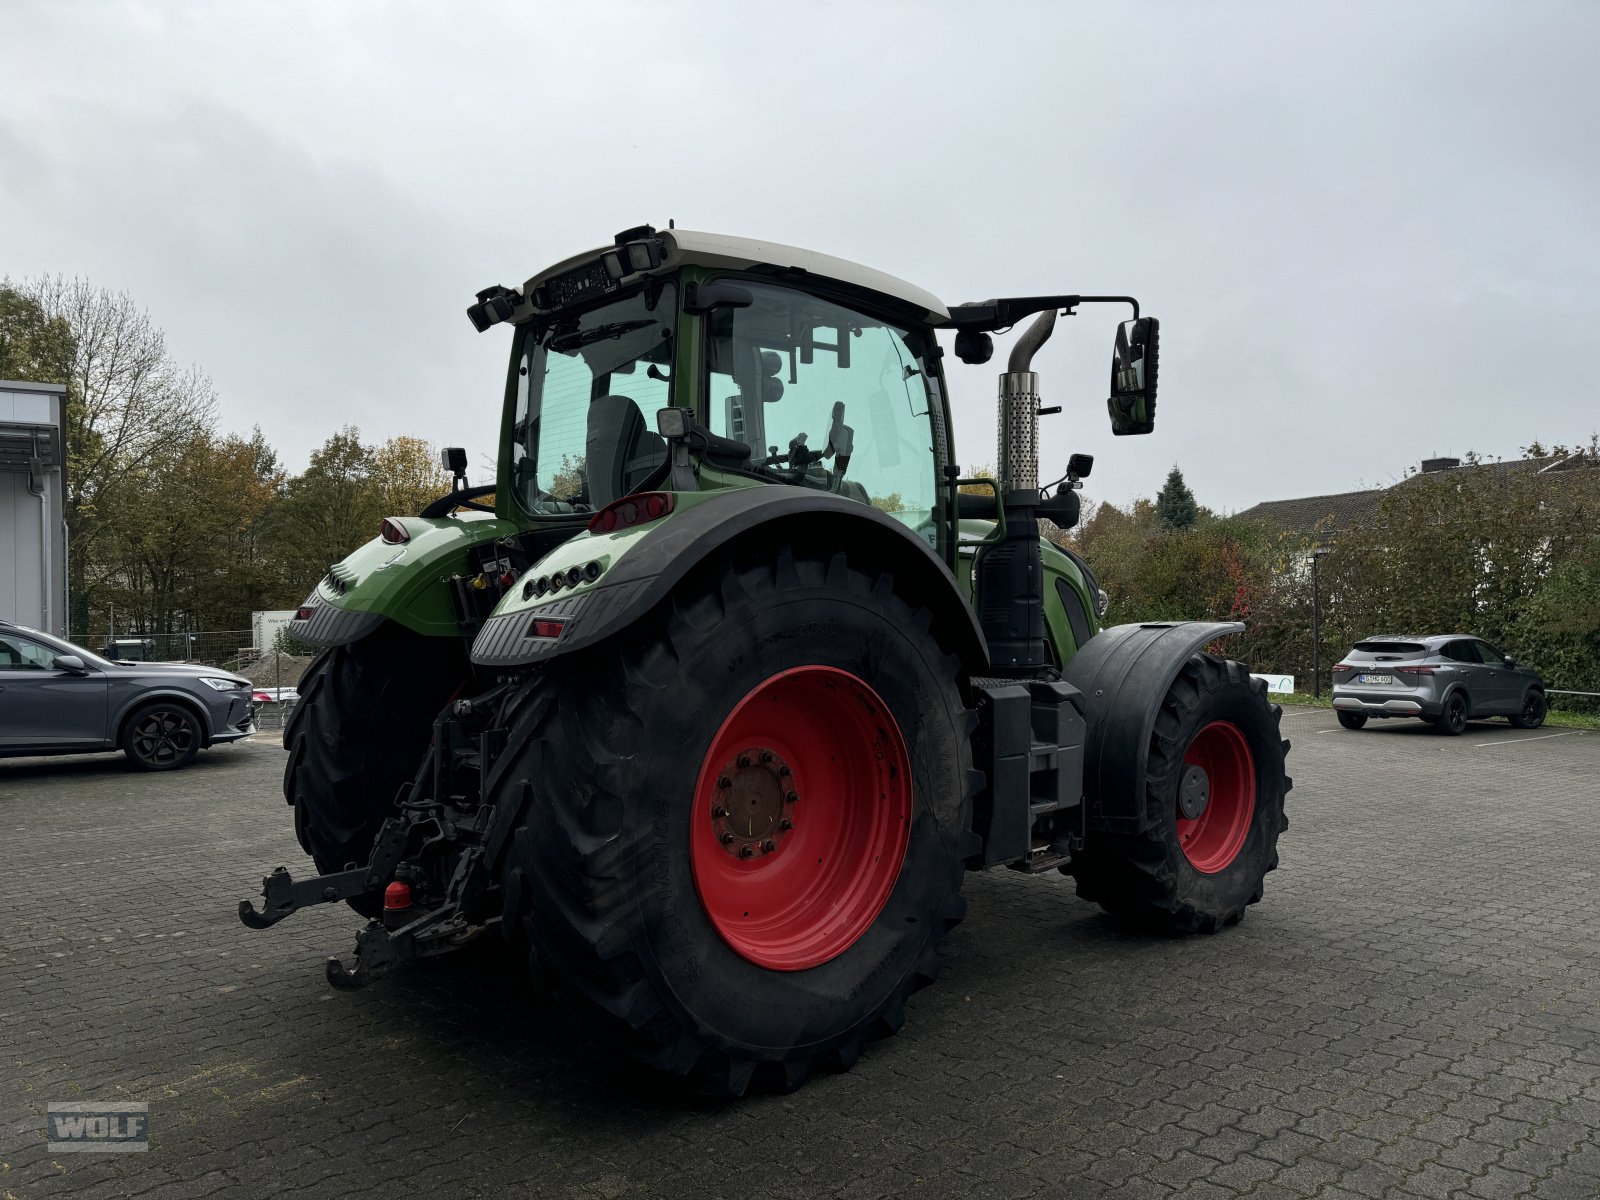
405 582
605 548
1057 566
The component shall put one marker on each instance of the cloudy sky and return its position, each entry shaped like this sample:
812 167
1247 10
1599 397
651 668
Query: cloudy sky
1369 231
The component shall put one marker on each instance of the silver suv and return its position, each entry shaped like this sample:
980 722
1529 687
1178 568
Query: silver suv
1446 679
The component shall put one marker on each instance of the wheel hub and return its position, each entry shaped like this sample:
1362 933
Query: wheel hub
1194 793
754 810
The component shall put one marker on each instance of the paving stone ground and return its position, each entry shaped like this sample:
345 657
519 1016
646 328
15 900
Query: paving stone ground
1413 1011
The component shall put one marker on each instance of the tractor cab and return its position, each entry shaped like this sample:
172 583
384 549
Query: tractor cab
784 367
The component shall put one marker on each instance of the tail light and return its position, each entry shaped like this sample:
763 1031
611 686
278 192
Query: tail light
1344 666
392 532
631 510
261 697
1422 670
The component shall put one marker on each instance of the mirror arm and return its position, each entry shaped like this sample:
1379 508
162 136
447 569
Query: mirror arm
991 315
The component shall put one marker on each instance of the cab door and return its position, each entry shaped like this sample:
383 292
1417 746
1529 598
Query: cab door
43 708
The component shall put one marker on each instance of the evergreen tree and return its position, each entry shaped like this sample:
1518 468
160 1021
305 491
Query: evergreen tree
1175 506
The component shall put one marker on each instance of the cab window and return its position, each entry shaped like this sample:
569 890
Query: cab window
826 398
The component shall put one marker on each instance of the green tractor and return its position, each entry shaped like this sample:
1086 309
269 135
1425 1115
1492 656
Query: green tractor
713 709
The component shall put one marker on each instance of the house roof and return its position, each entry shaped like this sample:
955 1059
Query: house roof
1328 515
1343 510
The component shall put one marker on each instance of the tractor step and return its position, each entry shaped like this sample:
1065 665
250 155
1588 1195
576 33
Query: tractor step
1029 746
1041 860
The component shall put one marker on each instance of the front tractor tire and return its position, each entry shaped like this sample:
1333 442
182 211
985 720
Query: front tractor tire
1214 797
358 734
742 826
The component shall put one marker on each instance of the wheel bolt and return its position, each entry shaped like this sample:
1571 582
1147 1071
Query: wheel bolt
747 851
724 782
786 824
725 837
766 756
783 771
745 760
791 797
718 811
769 845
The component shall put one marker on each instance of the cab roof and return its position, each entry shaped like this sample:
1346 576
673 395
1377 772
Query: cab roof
685 247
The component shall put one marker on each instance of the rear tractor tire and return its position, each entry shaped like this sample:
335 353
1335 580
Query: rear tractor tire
1353 720
1214 794
358 734
742 825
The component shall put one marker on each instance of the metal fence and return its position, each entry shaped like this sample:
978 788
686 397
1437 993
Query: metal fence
226 649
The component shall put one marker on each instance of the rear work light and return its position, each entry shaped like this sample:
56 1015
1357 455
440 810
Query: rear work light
392 532
631 510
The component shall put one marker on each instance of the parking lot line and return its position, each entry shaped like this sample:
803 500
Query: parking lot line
1519 741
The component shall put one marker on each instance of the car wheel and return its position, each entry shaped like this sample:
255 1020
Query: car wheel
1531 714
161 736
1353 720
1453 720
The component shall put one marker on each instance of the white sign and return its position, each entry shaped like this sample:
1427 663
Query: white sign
1277 683
266 626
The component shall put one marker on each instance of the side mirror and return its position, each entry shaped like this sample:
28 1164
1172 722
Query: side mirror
70 663
454 460
1511 663
1079 466
1133 377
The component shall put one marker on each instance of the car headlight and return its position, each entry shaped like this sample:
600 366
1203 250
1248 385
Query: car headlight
223 685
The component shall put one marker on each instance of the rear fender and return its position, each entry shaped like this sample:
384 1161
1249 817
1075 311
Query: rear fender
664 554
1124 673
396 581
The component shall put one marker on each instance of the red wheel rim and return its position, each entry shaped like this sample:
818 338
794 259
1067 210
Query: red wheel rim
1213 839
802 813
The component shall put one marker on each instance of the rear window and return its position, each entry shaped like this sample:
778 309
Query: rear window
1390 647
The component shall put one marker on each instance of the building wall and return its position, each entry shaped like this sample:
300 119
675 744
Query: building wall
32 535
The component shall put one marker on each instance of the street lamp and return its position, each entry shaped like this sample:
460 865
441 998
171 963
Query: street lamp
1316 625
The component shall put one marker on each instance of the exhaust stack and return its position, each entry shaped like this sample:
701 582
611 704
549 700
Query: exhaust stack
1010 572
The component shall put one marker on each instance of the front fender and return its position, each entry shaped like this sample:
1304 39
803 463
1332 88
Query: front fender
398 582
1124 673
659 558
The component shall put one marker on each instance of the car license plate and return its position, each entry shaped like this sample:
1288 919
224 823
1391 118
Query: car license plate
1374 678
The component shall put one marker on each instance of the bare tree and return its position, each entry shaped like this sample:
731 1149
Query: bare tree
127 401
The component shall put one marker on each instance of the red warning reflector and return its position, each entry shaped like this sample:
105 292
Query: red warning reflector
546 629
303 613
397 896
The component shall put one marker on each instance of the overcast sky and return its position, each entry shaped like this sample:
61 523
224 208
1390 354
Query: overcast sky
1369 231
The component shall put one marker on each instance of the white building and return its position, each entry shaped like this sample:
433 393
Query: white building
33 497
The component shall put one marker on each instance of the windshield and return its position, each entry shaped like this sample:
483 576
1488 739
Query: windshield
588 388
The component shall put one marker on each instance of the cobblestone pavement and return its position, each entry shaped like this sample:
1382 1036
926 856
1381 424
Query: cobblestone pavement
1411 1012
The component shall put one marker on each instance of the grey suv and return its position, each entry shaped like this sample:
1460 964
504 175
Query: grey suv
57 698
1443 679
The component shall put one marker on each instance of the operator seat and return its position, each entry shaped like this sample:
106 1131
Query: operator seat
621 455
